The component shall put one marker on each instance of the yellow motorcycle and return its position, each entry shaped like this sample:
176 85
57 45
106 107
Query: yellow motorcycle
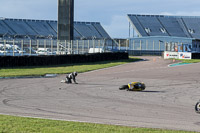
133 86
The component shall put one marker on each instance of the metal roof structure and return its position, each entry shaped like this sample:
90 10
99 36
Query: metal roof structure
36 29
161 25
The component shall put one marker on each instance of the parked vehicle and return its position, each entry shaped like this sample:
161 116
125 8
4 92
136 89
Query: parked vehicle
44 51
7 49
96 50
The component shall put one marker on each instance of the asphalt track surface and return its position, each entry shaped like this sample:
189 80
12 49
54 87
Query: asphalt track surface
168 101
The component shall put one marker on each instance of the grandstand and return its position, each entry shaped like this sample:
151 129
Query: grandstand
160 25
47 29
156 32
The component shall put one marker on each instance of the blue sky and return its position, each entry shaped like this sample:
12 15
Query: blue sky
112 14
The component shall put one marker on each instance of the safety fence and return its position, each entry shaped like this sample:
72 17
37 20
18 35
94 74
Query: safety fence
53 47
29 47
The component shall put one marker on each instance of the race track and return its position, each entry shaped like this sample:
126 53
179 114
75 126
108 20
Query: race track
168 101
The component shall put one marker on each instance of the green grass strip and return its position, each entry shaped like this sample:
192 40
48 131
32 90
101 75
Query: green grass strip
61 69
12 124
191 61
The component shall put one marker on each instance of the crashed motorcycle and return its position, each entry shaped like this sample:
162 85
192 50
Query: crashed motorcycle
133 86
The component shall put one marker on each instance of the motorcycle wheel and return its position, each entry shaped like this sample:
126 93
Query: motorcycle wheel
197 107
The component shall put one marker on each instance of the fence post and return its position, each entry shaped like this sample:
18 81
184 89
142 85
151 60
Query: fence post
119 45
88 45
146 44
30 46
93 46
159 46
104 45
37 44
68 48
71 46
4 47
77 47
22 46
140 47
13 47
45 41
126 44
112 44
83 46
65 46
178 45
99 43
153 45
51 47
182 46
58 41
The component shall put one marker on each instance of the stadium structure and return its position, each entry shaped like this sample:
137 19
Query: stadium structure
47 29
177 33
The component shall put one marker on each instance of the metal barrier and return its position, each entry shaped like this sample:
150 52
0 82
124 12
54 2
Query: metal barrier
53 47
29 47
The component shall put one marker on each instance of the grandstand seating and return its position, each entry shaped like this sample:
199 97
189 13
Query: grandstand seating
101 30
193 26
137 25
19 27
85 29
23 28
153 24
5 29
172 26
160 25
42 28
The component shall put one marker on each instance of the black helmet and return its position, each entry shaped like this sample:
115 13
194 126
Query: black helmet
75 73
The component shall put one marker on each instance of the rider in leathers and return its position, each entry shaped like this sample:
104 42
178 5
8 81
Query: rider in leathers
71 76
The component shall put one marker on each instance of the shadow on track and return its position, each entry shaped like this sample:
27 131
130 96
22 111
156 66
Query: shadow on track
153 91
146 91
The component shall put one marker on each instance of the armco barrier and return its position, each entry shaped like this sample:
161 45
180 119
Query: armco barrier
18 61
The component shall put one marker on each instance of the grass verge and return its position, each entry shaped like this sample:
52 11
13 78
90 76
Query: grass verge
61 69
12 124
191 61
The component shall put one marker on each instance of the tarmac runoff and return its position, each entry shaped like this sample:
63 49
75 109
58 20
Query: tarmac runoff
167 103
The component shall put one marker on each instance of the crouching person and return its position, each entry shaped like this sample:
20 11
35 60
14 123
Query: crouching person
70 77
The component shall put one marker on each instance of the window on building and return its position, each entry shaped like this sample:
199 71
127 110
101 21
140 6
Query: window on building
148 30
163 30
191 31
